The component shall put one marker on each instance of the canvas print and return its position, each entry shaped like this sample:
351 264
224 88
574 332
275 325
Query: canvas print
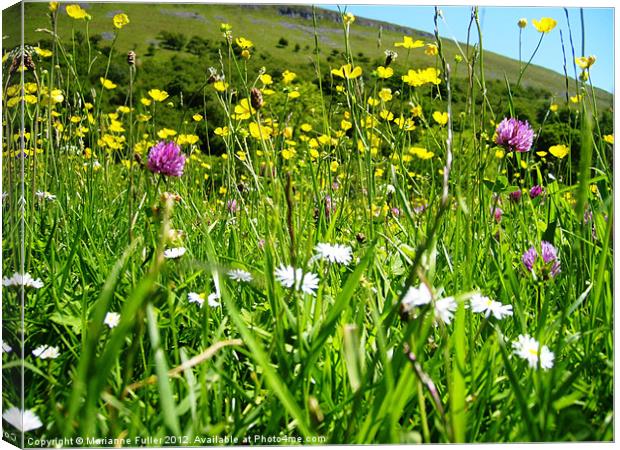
291 224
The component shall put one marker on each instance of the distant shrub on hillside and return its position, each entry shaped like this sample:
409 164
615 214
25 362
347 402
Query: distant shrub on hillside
172 41
198 46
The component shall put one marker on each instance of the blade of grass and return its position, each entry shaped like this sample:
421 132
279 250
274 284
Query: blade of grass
168 405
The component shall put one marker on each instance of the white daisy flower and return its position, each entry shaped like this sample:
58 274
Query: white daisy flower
484 305
416 297
6 348
46 352
173 253
290 277
44 195
194 297
240 275
444 309
23 421
334 253
212 300
25 280
528 348
199 299
112 319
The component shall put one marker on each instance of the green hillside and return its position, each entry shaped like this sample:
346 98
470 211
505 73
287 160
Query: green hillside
283 36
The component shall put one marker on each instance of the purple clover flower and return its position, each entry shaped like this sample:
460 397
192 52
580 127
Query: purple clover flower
548 252
536 191
514 135
550 261
231 205
529 258
497 214
515 196
166 158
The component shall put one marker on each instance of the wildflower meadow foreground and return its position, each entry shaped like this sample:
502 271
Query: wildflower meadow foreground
211 244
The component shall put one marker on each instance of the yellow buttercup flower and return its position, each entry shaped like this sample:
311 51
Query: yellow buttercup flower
347 72
440 117
220 86
559 151
431 50
373 101
243 110
288 153
76 12
266 79
585 62
197 117
53 6
293 95
421 153
57 96
409 43
609 138
306 127
165 133
576 98
158 95
42 52
120 20
420 77
386 115
221 131
288 76
116 127
544 25
30 88
244 43
384 72
385 94
406 124
553 107
260 131
107 83
184 139
348 18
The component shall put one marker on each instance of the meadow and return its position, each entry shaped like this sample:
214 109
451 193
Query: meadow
351 250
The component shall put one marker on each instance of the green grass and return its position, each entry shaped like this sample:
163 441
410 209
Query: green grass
349 364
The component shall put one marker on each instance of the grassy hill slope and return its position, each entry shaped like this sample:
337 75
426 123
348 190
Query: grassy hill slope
265 26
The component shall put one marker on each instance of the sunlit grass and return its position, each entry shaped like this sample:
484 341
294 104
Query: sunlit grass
360 263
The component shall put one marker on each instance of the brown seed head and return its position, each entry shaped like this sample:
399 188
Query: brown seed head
256 98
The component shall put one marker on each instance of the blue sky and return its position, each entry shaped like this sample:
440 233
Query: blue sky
500 32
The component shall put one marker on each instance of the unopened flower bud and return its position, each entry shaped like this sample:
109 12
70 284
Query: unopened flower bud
256 98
